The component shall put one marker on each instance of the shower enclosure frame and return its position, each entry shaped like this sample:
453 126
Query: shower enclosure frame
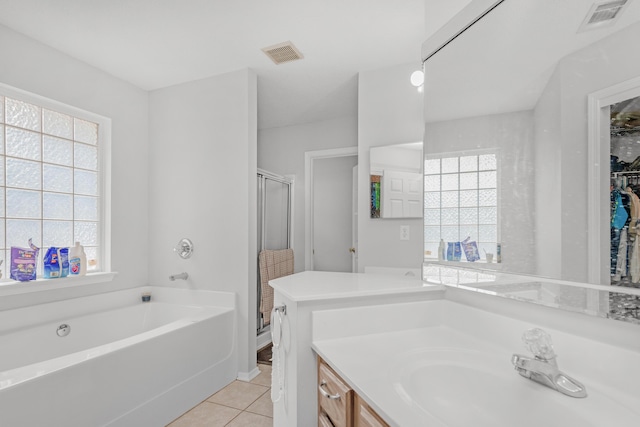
287 181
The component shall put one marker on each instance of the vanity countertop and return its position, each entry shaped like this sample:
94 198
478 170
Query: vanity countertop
321 285
452 367
614 302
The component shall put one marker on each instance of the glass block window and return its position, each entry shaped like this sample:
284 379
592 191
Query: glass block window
460 201
50 180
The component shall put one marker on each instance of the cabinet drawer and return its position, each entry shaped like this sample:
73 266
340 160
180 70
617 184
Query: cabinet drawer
365 416
335 397
323 421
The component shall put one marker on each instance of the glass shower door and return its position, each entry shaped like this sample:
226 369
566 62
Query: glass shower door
274 219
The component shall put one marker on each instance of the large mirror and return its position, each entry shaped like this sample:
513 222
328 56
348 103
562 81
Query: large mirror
532 140
395 179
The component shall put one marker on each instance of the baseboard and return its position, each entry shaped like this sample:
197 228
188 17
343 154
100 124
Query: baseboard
248 376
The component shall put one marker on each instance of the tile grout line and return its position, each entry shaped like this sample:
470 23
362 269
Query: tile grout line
259 397
268 390
245 410
237 409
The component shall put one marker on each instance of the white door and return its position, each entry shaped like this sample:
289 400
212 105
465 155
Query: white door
401 194
332 213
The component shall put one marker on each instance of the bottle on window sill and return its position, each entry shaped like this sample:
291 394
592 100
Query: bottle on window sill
77 260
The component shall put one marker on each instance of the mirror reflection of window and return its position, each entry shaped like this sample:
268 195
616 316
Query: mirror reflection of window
461 201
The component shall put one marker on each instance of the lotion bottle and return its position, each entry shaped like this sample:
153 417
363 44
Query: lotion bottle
441 250
77 260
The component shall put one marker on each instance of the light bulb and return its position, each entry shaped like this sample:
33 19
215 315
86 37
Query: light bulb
417 78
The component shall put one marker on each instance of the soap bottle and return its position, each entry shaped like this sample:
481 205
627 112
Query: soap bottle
441 250
77 260
51 264
64 262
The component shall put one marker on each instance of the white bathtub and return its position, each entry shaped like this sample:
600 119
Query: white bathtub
123 363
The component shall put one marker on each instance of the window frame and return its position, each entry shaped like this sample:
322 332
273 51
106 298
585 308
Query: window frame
103 272
458 154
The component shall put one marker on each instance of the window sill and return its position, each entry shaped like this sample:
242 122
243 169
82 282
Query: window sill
13 287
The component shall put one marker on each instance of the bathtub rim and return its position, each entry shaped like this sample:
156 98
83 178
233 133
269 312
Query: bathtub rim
48 311
32 371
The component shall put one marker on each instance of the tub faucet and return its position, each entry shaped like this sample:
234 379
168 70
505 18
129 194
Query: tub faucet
543 368
181 276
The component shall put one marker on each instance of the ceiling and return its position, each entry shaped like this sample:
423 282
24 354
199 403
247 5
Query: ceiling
504 62
158 43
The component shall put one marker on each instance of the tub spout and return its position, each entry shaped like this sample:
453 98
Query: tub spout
181 276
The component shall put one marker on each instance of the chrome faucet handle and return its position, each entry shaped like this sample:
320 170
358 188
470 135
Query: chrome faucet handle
539 343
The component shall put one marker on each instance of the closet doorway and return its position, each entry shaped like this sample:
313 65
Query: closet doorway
330 211
601 167
624 136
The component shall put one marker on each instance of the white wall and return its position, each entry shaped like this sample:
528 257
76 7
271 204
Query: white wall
31 66
203 187
389 112
548 167
281 151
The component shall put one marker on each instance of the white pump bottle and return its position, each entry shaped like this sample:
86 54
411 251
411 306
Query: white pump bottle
77 260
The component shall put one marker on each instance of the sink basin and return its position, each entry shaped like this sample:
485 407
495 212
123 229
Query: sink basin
461 387
449 365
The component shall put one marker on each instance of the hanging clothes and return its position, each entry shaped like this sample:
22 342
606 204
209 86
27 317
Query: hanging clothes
634 263
621 262
619 216
635 211
615 244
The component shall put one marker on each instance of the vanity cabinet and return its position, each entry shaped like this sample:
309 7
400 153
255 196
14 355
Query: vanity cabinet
335 398
339 405
364 416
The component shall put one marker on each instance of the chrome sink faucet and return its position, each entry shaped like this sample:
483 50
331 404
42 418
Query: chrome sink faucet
543 368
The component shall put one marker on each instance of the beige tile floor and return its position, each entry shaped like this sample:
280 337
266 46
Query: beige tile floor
240 404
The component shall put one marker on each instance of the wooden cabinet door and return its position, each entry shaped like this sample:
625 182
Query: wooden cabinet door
365 416
335 397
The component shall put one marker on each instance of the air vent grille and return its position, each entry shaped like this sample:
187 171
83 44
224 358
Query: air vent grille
283 52
603 13
606 12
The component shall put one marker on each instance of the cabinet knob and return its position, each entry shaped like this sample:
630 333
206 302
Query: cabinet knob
352 250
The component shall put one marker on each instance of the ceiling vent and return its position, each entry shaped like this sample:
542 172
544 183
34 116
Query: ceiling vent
603 13
283 52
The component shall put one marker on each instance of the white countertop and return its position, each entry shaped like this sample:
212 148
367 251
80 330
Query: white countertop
320 285
396 373
372 367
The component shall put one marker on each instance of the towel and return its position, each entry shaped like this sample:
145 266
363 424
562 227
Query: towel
273 264
278 357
